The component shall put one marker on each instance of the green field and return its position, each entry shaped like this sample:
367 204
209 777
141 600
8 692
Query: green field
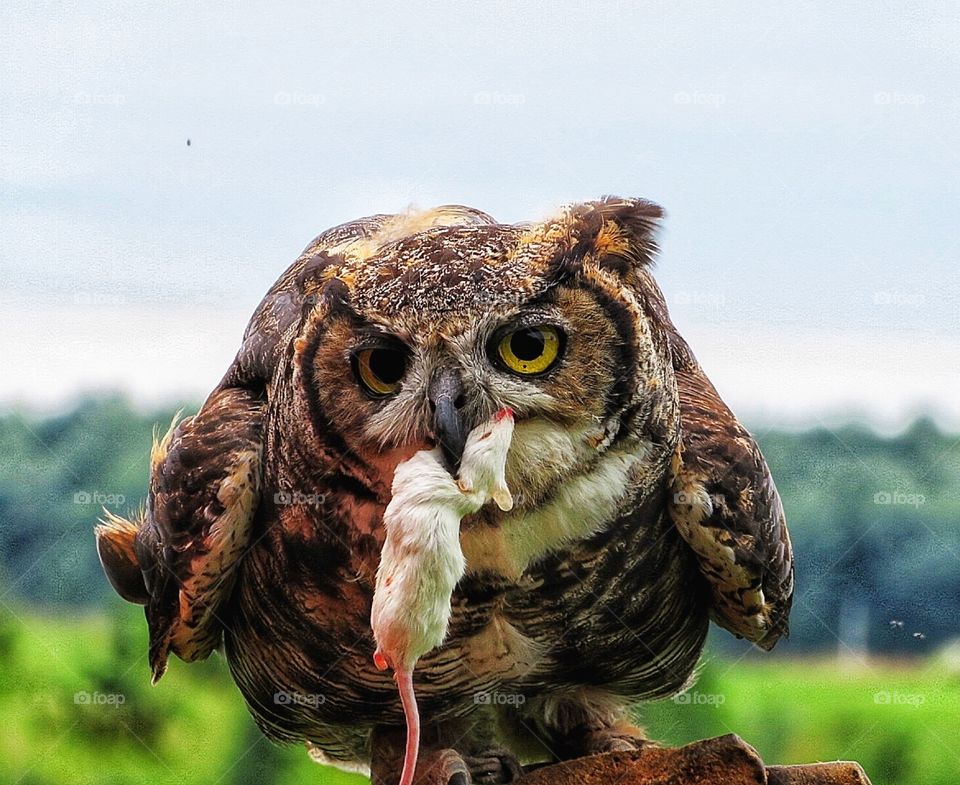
874 526
64 723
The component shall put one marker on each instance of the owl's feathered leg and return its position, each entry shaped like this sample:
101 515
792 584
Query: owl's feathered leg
581 723
465 751
443 766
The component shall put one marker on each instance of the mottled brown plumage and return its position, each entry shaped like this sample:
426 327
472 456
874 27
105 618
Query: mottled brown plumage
642 507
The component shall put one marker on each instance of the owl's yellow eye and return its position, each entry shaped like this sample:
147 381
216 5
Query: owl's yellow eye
530 350
380 370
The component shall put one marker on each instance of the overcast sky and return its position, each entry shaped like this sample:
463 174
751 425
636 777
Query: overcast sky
808 156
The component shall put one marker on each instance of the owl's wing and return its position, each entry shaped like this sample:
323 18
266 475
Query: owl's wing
179 559
726 506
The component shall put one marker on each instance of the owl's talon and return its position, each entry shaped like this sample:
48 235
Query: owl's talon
615 740
622 745
583 741
434 767
442 767
494 767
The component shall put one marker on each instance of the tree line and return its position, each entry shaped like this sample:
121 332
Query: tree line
875 520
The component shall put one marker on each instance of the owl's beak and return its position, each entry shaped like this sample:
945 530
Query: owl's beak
446 402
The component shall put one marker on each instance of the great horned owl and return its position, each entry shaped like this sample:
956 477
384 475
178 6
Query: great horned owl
641 507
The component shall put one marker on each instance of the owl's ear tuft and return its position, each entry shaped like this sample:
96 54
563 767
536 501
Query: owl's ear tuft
614 234
320 281
626 238
316 269
336 295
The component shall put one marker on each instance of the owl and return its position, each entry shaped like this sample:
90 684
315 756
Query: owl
641 508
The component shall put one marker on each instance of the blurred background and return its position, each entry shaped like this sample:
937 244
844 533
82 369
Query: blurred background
161 164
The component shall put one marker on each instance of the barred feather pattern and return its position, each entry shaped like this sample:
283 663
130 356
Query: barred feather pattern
625 611
642 506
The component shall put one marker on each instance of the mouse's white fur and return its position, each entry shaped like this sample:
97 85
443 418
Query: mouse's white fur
421 560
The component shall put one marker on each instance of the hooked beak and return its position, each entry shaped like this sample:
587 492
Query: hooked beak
446 401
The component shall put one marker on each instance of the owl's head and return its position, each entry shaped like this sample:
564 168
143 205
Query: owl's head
416 328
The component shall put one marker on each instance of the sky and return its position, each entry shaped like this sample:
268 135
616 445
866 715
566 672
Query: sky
807 156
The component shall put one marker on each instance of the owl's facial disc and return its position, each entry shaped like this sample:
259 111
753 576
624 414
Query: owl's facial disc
390 385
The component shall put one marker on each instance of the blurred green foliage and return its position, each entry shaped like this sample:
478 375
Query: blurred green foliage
64 723
79 709
875 529
898 720
875 524
874 520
